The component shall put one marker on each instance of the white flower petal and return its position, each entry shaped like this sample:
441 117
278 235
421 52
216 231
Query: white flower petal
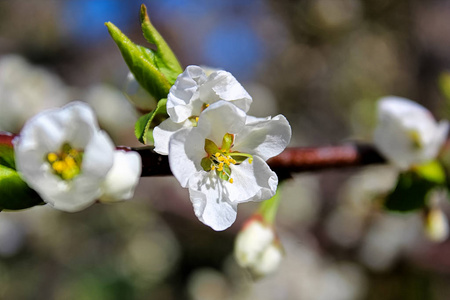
219 119
123 177
251 182
406 133
186 152
265 138
183 96
210 202
221 85
164 131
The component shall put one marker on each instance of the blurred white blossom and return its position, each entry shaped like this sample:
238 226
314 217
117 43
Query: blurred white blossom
114 113
137 95
407 134
257 249
25 90
69 161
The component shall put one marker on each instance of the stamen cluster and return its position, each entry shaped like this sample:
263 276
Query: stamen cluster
66 163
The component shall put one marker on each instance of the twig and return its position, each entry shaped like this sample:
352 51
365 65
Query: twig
292 160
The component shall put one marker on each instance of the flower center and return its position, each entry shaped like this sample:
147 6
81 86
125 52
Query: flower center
66 163
220 159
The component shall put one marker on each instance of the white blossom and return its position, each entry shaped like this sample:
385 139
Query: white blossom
191 93
222 161
70 162
256 248
407 134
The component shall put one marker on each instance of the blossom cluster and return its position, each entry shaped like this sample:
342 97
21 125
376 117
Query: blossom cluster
215 149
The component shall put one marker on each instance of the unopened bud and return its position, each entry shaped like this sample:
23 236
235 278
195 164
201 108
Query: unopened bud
257 249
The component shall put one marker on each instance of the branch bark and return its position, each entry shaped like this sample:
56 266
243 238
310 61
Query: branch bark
292 160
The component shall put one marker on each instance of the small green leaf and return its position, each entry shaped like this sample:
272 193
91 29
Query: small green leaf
410 193
141 62
444 84
145 124
139 127
210 147
227 141
7 156
14 192
432 171
165 60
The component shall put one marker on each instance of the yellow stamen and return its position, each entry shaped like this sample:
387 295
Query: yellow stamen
52 157
217 154
221 158
250 160
231 180
59 166
206 105
196 119
213 167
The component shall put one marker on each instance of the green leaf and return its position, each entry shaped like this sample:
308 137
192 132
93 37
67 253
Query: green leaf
141 62
164 59
444 84
432 171
14 192
410 193
145 124
7 156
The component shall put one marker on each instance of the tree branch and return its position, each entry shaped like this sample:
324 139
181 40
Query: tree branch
292 160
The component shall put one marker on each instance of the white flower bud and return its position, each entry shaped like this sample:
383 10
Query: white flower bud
257 249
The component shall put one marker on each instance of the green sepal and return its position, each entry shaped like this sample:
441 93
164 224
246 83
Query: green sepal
227 141
413 187
141 62
239 158
15 194
164 58
211 148
225 174
206 164
143 128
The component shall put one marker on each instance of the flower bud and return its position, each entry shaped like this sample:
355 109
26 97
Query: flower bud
257 248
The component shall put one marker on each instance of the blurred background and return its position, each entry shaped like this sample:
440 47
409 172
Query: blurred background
322 63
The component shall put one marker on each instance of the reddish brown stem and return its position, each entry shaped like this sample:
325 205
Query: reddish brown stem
292 160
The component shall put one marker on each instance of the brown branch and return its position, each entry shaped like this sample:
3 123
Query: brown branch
292 160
